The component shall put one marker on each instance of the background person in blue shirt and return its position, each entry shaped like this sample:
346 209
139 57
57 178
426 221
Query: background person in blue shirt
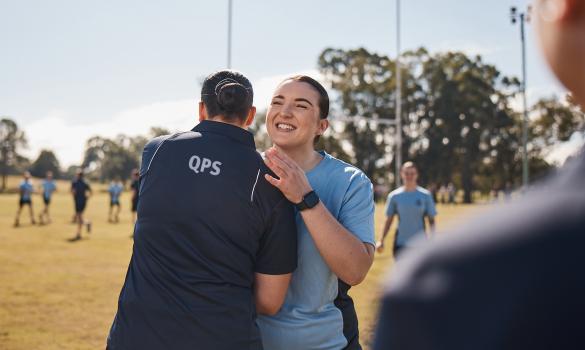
81 192
115 190
214 242
26 190
412 204
47 188
335 220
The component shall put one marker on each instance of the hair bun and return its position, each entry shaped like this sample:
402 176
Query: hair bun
232 97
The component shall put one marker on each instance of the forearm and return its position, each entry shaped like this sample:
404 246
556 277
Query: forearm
432 225
347 256
386 229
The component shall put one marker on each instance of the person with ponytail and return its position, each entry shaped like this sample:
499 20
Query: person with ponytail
214 243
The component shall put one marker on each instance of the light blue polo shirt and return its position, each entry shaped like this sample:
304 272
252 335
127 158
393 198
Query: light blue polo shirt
115 191
48 188
411 208
308 318
26 190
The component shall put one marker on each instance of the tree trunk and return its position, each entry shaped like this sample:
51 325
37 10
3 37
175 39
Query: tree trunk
467 179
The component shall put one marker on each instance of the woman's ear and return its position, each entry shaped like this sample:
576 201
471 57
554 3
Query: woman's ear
202 112
323 125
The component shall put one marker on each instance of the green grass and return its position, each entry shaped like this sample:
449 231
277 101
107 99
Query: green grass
60 295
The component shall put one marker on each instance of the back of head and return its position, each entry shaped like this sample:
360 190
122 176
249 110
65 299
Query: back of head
228 94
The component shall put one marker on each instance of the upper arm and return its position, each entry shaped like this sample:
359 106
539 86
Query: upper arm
277 251
430 209
357 211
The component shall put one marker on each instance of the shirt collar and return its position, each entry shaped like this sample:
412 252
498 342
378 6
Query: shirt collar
231 131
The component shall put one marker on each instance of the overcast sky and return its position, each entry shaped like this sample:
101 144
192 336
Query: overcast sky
73 69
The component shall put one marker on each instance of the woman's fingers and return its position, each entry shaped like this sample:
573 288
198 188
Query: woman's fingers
275 167
285 159
273 181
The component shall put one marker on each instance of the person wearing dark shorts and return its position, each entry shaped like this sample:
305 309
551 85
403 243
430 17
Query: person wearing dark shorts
26 190
214 243
135 187
115 190
81 191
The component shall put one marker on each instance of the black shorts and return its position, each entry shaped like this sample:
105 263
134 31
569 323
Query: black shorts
114 203
47 200
23 202
134 204
80 206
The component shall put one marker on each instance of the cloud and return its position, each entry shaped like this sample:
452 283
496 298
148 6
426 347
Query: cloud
56 132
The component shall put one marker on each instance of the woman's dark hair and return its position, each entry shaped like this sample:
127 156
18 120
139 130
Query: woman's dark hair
323 96
227 93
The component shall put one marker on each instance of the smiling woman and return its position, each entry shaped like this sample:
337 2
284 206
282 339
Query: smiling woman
335 223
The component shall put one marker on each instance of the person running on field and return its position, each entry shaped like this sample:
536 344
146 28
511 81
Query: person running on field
412 204
26 190
135 187
115 190
81 192
47 187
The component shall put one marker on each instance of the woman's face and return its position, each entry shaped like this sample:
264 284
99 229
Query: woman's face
292 119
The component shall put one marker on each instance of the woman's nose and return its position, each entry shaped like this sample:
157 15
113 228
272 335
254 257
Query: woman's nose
286 110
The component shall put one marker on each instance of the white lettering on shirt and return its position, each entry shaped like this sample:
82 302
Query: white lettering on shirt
199 165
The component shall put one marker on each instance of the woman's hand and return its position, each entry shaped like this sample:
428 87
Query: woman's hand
292 181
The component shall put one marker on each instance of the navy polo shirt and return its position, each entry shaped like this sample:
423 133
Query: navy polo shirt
207 222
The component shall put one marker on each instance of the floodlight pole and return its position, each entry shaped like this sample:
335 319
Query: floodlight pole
398 158
523 17
229 36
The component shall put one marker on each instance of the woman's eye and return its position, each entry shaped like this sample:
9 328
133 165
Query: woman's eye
302 106
276 102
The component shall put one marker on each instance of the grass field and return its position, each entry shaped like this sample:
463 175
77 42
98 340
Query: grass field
60 295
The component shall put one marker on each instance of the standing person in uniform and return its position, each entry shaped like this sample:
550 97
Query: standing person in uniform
47 188
115 190
215 243
512 279
26 190
335 220
81 192
135 188
412 204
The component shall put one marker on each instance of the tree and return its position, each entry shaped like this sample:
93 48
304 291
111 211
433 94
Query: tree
12 140
46 161
457 122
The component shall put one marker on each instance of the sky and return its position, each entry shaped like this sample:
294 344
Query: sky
73 69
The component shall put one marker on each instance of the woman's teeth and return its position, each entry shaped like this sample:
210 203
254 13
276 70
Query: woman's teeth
283 126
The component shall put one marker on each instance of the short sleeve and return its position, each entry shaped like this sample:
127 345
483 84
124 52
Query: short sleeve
277 254
390 205
149 152
430 209
357 211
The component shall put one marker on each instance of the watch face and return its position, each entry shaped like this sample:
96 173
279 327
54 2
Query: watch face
311 199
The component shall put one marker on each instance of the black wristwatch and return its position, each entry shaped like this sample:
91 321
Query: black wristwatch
309 201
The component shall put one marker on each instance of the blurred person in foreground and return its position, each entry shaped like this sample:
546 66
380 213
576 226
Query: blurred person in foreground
514 279
214 242
26 189
412 204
